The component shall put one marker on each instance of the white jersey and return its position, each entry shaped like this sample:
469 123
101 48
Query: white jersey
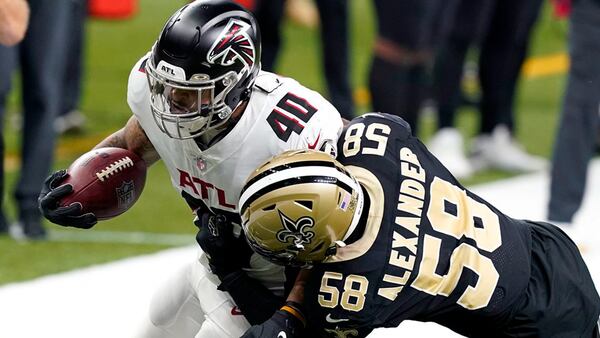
281 115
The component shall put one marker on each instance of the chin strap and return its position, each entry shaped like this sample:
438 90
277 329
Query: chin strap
211 137
245 96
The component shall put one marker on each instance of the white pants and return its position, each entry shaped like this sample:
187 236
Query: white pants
189 305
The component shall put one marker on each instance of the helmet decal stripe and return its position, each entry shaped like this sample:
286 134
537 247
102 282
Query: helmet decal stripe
294 180
284 172
287 166
279 179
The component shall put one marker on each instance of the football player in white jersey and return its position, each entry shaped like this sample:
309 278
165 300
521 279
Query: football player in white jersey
202 105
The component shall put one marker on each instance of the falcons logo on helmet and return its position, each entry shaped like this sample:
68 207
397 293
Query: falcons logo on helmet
233 43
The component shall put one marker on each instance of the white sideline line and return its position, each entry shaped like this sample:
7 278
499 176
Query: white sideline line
99 301
109 300
124 237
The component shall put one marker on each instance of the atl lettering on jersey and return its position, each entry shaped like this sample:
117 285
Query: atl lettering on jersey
203 189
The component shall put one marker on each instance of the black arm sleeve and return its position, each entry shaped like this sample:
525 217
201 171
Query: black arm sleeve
290 278
256 301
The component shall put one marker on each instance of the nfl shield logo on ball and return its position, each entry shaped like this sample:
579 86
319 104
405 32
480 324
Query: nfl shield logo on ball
125 194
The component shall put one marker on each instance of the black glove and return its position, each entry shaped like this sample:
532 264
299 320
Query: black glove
69 216
216 239
283 324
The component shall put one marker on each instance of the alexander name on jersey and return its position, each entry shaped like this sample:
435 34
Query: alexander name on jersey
404 248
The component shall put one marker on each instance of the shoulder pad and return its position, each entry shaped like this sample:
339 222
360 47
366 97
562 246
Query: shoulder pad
394 118
267 83
402 127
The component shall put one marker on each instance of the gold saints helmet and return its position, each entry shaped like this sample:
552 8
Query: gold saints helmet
299 206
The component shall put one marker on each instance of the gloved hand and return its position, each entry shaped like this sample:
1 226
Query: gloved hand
217 241
69 216
283 324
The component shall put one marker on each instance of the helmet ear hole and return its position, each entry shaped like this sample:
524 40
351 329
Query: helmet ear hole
307 204
318 247
269 208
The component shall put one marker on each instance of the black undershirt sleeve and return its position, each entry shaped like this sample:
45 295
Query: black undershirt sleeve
256 301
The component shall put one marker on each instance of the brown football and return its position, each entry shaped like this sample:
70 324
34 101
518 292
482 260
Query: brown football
106 181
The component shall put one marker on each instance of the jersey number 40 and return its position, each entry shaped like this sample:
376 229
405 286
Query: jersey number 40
290 115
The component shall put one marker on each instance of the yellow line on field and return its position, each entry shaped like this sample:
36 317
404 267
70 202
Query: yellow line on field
546 65
362 96
535 67
67 148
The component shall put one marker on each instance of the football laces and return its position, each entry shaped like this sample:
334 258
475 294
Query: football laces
115 167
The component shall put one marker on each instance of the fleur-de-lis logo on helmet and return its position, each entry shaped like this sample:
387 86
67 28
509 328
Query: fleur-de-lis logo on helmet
299 231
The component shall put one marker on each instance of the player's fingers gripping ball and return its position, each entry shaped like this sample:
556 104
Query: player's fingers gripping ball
52 192
105 182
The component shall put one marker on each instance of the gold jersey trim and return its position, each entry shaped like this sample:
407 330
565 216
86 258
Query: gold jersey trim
375 191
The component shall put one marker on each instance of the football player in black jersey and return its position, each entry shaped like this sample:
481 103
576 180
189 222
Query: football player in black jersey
391 235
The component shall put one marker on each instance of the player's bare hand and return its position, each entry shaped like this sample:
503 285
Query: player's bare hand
49 204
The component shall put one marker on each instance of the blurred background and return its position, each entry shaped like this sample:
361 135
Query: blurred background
160 219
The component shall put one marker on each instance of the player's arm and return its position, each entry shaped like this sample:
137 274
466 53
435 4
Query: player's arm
132 137
227 257
289 321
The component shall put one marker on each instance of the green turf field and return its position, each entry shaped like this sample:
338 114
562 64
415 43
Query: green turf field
113 47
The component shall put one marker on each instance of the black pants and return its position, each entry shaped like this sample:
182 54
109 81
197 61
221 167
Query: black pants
561 299
40 57
502 29
74 59
580 120
334 39
398 84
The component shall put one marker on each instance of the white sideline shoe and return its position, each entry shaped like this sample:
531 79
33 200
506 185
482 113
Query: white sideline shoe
500 151
447 145
72 121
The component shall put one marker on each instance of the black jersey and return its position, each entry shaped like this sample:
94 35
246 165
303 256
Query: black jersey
431 250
